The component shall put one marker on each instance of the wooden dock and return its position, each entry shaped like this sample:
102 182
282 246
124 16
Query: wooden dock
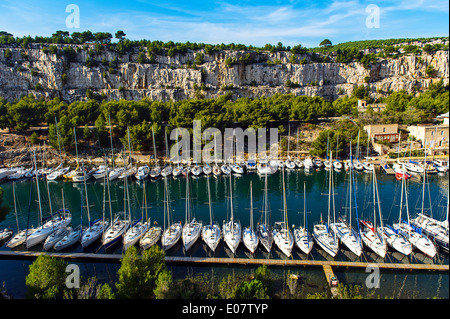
115 258
387 169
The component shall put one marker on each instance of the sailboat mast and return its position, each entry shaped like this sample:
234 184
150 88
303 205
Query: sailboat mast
209 202
154 144
38 192
76 146
187 211
266 204
15 206
401 202
285 208
424 178
251 206
87 198
231 204
111 140
304 205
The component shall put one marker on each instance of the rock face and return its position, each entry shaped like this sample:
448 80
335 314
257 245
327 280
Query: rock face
170 78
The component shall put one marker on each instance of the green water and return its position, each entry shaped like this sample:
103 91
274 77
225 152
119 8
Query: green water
316 200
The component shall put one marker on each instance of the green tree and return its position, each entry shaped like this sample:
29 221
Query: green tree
34 138
120 35
250 290
46 278
163 289
138 274
325 43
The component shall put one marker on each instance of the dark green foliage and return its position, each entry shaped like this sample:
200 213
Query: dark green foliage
46 278
138 274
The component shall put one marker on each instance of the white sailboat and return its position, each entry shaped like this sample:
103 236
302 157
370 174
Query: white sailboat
57 235
232 229
21 235
119 225
207 169
153 234
139 228
282 235
96 228
250 237
211 233
172 231
343 228
371 234
142 172
264 230
322 234
56 221
303 239
412 234
73 236
192 229
393 237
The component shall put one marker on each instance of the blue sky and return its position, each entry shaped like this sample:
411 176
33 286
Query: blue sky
248 22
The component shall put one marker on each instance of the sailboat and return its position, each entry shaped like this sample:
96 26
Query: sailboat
172 233
130 170
250 237
55 221
393 237
192 229
207 169
118 226
322 234
153 234
289 163
368 166
282 235
71 237
76 170
97 227
412 234
264 231
371 235
57 235
21 235
156 170
138 229
232 229
433 228
303 239
337 164
211 233
167 169
357 164
343 228
115 171
142 172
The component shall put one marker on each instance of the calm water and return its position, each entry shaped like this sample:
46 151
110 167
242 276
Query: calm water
414 285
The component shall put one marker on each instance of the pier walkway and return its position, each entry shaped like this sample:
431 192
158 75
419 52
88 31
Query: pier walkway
326 265
228 261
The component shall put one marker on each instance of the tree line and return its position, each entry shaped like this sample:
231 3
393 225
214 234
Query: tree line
144 116
146 276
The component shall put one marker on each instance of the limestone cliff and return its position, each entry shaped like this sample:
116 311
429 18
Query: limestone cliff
32 70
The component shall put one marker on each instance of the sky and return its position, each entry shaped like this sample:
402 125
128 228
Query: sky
247 22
